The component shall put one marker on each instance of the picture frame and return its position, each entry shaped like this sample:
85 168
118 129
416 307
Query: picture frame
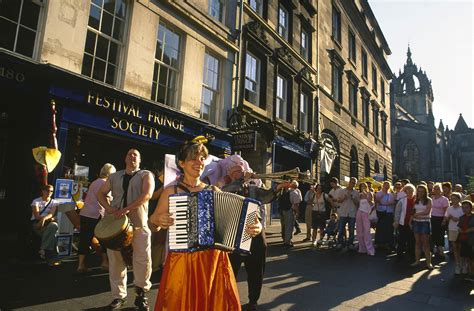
64 245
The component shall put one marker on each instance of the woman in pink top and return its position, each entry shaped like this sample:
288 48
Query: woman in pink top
91 213
438 210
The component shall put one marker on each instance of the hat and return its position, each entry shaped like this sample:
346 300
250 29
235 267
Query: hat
47 156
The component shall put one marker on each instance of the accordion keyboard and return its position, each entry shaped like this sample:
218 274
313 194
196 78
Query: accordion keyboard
178 236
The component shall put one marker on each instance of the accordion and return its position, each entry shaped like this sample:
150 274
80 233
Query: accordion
211 219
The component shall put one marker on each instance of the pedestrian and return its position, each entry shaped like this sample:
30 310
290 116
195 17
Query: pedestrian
43 211
348 204
421 225
319 214
453 214
131 190
309 200
466 239
385 204
440 204
239 182
366 204
447 189
90 215
203 279
335 193
401 223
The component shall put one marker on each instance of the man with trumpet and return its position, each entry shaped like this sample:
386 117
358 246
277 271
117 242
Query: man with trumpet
240 179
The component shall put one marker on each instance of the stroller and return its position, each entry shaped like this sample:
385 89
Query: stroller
329 237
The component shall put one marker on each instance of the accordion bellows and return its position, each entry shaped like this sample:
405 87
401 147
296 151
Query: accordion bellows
211 219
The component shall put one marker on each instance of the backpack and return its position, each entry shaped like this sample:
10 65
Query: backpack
284 202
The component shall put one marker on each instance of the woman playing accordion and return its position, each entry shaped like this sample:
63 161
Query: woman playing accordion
201 280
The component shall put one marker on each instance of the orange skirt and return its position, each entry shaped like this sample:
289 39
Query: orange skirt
198 281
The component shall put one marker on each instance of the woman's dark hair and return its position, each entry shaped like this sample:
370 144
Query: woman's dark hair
190 150
424 200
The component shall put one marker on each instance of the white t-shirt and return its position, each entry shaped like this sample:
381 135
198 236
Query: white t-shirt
336 194
38 202
454 212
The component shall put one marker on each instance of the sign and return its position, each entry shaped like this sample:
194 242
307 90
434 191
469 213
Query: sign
63 190
245 140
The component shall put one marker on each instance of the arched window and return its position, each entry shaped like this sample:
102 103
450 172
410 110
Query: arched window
366 165
376 167
354 165
411 157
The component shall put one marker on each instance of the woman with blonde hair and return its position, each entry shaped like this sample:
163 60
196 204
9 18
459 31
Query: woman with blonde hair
90 215
366 204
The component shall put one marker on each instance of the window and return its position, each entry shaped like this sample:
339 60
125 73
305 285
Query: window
304 114
376 122
337 82
104 40
281 97
374 79
382 91
353 99
366 165
210 88
19 25
283 23
384 128
352 47
257 6
304 48
365 111
216 9
252 79
167 64
336 24
364 64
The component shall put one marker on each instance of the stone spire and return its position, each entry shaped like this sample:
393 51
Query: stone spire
441 125
409 60
461 125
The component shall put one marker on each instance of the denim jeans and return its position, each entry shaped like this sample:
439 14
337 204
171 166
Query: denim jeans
342 226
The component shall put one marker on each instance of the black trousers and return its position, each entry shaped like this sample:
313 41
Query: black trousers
437 230
406 241
254 265
86 234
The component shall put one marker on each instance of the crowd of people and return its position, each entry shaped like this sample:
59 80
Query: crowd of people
406 218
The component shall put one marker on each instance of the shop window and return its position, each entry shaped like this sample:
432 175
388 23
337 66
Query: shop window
19 25
104 41
210 88
281 98
216 9
252 79
167 66
304 112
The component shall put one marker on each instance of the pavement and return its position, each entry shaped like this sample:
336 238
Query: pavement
300 278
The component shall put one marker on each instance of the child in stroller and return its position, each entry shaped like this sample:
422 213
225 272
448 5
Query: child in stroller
329 238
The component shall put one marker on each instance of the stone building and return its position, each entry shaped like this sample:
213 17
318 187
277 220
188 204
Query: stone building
353 76
144 73
421 150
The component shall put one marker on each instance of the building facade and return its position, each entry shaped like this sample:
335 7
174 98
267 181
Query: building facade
353 77
422 150
122 74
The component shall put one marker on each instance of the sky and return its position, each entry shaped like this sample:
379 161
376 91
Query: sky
440 34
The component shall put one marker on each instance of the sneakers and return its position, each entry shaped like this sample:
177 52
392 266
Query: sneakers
457 270
141 301
116 303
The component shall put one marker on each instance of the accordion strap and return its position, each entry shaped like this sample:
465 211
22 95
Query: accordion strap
185 189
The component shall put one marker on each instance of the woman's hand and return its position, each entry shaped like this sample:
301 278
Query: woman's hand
254 229
163 220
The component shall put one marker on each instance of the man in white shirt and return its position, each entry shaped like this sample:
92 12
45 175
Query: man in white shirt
43 210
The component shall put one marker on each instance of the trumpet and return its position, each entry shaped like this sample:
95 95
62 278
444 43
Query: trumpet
294 174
